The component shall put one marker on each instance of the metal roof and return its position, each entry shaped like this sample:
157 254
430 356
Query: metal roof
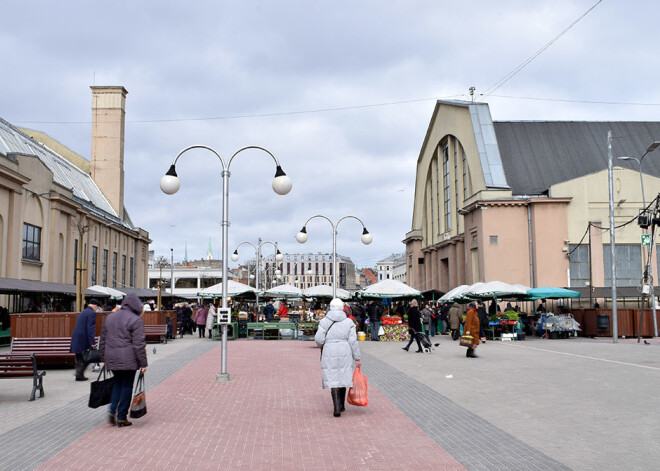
85 191
539 154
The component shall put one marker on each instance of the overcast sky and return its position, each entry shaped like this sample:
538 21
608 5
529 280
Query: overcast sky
340 91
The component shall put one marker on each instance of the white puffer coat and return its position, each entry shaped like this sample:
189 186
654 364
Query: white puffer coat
337 336
210 318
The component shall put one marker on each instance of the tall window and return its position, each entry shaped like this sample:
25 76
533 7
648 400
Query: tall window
75 261
465 180
132 272
123 270
456 186
114 269
446 186
628 265
95 251
31 242
579 265
104 268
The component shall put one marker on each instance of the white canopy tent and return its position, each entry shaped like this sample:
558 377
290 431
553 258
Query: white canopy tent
113 293
233 289
325 291
389 289
284 291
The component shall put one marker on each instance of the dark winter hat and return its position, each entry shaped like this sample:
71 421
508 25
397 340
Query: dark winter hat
94 301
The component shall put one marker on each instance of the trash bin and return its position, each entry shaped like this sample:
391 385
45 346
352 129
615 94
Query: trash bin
242 328
603 321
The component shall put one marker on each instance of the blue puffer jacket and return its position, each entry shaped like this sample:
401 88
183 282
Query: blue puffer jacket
122 345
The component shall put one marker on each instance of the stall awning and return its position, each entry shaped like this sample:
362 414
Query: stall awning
12 285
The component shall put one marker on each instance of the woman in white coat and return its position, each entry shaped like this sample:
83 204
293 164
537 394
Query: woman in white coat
210 319
338 342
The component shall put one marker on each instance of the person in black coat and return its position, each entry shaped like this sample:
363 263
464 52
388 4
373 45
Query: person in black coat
375 312
483 319
414 325
82 338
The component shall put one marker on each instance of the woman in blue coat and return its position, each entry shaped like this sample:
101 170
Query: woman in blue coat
336 336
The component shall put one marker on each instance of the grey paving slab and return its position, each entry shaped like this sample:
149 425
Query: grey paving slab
588 404
43 434
473 441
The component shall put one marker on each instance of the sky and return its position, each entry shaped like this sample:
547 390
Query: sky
341 92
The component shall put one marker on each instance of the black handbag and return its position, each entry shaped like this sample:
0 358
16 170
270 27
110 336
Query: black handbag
92 356
101 389
139 402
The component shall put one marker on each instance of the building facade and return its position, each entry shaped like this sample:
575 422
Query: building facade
392 268
61 216
308 269
526 202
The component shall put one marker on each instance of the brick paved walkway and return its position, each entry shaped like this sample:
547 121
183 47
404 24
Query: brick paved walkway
273 415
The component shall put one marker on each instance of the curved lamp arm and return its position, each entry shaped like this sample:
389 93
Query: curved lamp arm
281 182
170 183
234 256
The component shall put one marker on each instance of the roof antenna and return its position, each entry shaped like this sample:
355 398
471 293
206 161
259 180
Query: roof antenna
472 89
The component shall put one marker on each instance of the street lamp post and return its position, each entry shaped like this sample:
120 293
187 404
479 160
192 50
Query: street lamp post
639 161
366 238
277 273
257 251
172 273
170 184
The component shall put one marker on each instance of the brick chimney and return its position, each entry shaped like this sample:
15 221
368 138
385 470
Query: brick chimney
108 119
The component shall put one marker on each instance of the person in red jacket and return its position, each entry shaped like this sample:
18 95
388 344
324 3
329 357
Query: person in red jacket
284 310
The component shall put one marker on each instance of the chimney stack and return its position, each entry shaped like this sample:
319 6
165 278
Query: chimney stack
108 122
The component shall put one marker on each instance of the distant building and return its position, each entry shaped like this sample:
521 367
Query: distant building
393 265
189 276
370 276
308 269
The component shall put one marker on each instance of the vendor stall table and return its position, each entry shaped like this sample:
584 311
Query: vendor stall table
232 331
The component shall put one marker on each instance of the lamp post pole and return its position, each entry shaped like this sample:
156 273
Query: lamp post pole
639 161
367 238
257 251
610 179
172 274
170 184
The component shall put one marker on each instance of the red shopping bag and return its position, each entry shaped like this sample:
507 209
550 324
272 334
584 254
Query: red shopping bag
357 395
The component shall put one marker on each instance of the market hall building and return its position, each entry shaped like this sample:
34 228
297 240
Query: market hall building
57 208
513 201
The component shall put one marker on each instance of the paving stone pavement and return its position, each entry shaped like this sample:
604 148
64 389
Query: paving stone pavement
576 404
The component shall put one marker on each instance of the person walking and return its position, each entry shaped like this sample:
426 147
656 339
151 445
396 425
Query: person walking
414 325
210 319
200 319
426 320
471 327
454 321
339 348
123 348
375 312
82 338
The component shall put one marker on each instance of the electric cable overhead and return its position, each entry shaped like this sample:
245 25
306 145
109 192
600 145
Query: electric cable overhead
515 71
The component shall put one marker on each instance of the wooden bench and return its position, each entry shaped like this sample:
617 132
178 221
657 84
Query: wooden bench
19 366
157 332
46 349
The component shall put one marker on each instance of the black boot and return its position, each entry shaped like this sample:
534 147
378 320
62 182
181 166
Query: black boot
468 354
342 398
335 402
472 354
